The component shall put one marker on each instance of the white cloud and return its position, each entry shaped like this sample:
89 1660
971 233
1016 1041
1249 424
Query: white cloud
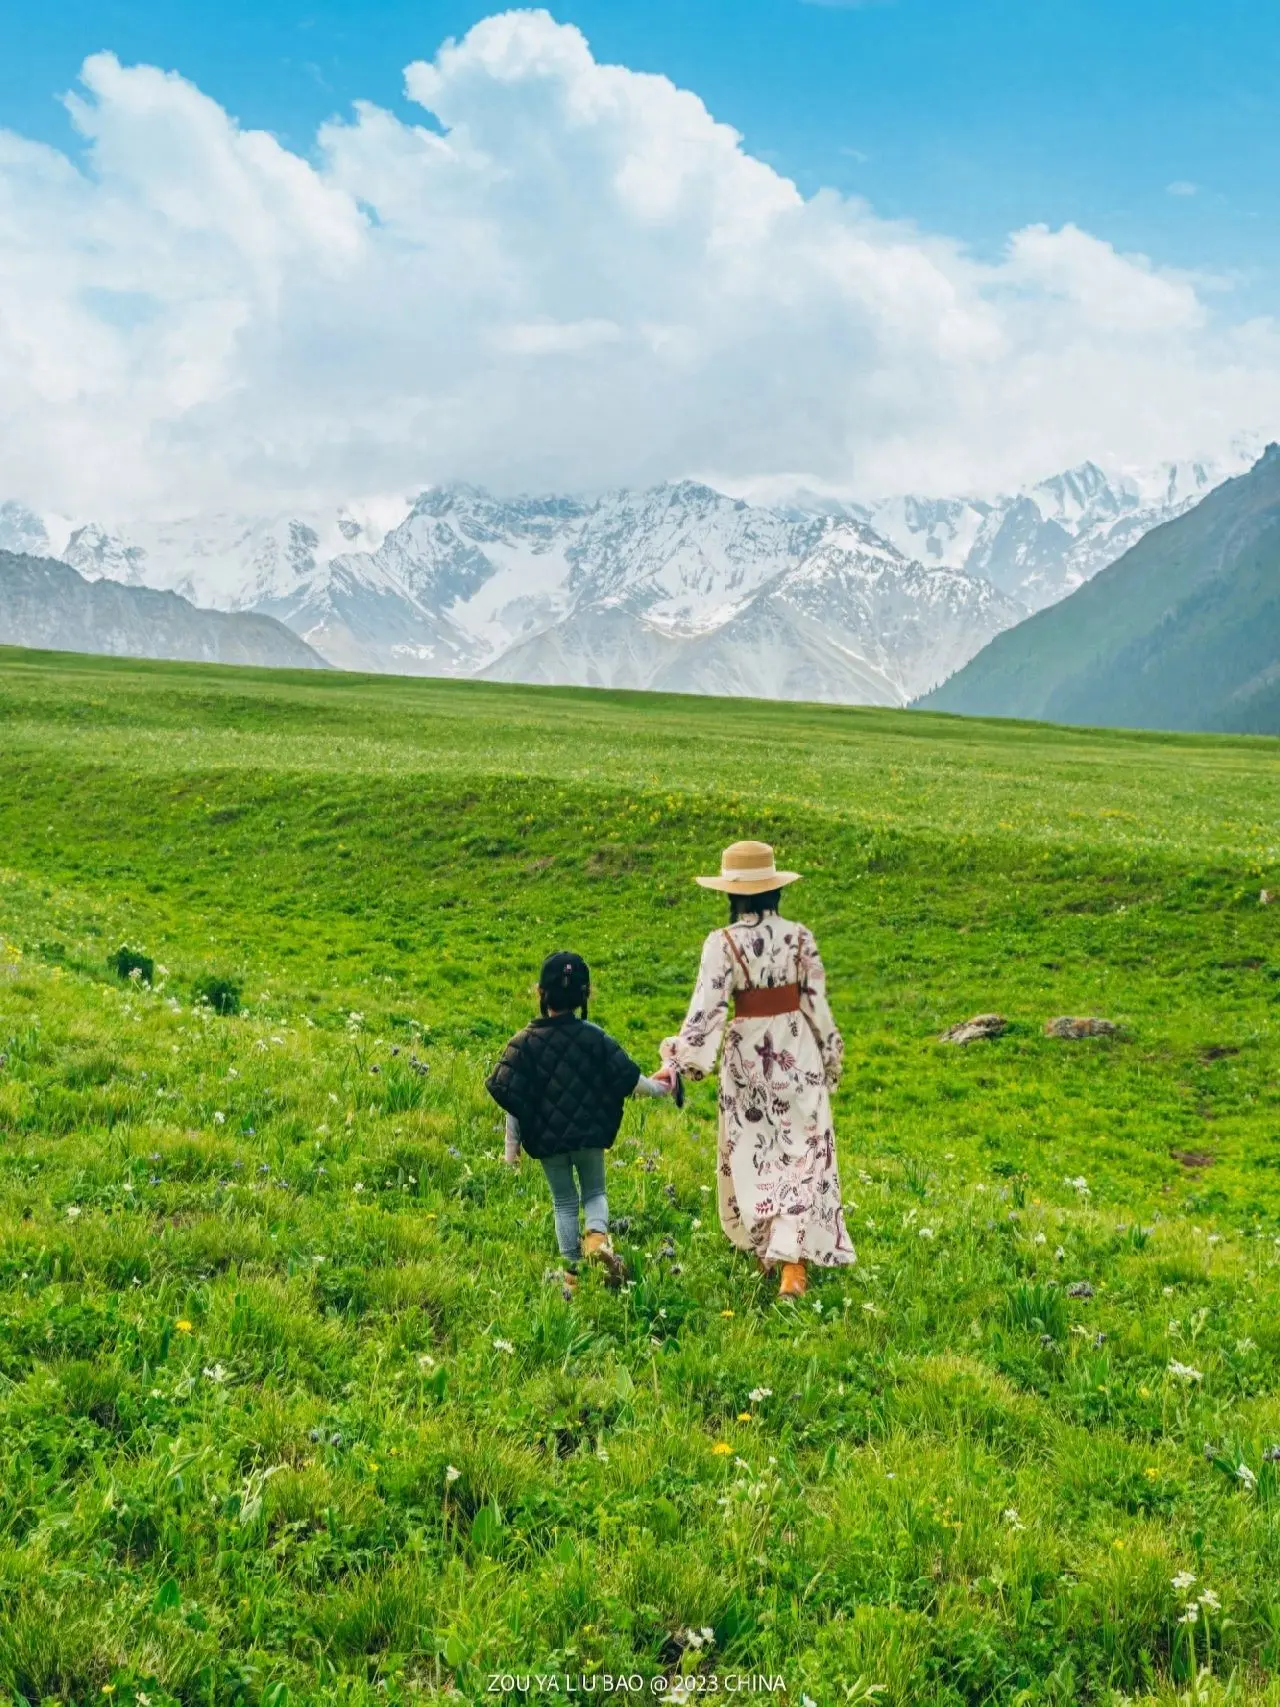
574 277
1182 187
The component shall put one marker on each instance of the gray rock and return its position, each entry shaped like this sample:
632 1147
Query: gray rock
1076 1028
980 1026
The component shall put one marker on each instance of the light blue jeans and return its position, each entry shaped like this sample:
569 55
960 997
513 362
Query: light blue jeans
589 1168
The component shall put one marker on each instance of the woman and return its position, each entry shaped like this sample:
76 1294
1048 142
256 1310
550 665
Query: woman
779 1186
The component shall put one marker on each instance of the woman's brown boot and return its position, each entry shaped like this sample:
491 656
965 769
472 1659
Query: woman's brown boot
794 1280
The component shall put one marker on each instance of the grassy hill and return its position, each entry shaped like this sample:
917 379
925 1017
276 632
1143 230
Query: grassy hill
290 1409
1183 632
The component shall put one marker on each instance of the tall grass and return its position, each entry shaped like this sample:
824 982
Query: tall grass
291 1406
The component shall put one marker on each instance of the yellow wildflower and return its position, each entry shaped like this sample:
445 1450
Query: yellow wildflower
183 1325
722 1449
744 1416
726 1314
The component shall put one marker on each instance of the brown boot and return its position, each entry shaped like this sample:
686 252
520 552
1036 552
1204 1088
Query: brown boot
597 1248
794 1281
568 1285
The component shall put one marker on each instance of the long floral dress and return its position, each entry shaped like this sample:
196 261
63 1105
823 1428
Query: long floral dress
779 1186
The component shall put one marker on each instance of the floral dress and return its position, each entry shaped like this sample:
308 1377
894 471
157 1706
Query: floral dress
779 1186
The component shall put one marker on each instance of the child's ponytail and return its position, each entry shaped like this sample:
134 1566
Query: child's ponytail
565 984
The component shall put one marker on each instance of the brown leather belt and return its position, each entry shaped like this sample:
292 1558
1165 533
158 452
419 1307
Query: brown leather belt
766 1003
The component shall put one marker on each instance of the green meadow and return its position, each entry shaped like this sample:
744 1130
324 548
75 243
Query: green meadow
292 1409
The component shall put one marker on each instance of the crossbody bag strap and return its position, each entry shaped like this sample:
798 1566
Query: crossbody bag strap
737 954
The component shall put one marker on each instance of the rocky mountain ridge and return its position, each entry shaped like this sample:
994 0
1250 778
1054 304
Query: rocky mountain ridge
678 586
46 604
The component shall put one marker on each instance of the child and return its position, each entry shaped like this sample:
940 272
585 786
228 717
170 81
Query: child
562 1083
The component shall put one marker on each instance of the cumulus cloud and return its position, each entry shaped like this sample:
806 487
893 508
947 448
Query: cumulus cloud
568 275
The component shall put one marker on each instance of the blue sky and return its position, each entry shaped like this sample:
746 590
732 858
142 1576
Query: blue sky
964 244
972 117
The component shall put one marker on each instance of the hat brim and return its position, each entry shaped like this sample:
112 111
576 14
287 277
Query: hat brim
749 885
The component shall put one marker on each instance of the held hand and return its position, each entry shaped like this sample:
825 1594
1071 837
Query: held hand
664 1076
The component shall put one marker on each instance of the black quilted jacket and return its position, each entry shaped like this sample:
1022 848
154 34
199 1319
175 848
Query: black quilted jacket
565 1081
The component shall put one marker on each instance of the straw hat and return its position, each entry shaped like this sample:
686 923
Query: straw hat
747 868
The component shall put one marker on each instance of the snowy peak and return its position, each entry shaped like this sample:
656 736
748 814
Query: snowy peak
684 554
1080 496
1041 543
936 530
677 585
23 532
102 556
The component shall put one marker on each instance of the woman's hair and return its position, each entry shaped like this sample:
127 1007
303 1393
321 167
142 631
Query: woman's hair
564 984
766 903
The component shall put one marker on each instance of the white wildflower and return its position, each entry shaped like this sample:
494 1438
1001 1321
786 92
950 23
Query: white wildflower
1184 1371
1210 1601
926 1232
1190 1615
871 1309
451 1474
73 1212
758 1394
1246 1345
358 1186
504 1345
1183 1581
1039 1239
1010 1515
215 1373
1247 1478
233 1072
1079 1185
219 1118
1060 1255
426 1361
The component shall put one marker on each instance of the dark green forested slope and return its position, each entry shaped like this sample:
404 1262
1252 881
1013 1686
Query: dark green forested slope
1183 632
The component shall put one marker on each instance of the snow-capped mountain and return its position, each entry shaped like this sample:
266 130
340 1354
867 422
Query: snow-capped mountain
222 562
676 587
1041 543
850 621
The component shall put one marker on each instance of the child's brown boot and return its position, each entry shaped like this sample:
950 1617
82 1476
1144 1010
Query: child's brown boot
597 1248
794 1280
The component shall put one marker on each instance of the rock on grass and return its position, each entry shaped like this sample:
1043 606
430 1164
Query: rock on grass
1068 1027
971 1030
